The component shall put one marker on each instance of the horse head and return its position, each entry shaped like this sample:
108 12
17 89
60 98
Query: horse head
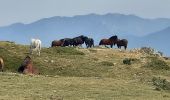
83 37
114 39
26 61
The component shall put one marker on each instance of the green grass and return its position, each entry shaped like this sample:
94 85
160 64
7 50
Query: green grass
73 74
14 87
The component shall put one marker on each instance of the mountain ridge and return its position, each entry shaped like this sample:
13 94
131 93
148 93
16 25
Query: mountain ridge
93 25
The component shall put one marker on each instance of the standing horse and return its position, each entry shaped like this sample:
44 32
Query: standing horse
89 42
35 46
79 40
57 43
68 42
27 67
122 42
1 64
111 41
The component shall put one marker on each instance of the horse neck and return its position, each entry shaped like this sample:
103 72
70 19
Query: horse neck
112 41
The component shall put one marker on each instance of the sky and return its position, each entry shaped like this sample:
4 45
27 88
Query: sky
27 11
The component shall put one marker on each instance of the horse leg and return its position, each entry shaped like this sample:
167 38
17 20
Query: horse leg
125 47
39 53
111 45
90 45
118 46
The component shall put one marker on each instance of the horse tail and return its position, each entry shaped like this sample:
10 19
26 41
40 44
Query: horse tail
53 44
101 42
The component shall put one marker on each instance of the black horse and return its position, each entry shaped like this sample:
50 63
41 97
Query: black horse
122 42
111 41
68 42
89 42
79 40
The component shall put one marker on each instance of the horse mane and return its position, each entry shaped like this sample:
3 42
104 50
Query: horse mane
113 37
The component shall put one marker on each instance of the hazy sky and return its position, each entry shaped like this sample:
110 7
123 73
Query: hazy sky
27 11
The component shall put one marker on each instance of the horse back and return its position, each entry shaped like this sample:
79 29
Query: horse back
122 42
57 43
105 42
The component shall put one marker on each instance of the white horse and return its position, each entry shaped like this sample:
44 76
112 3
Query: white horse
35 46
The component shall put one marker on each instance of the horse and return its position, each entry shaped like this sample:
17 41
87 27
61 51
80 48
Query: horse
79 40
27 67
57 43
35 45
68 42
1 64
89 42
122 42
111 41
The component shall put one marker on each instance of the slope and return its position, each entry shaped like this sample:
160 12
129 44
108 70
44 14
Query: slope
77 73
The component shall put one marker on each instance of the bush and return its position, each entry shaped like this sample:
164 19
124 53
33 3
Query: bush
161 84
129 61
147 50
157 64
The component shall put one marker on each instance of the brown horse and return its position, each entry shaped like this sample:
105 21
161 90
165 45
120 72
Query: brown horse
111 41
122 42
57 43
1 64
27 67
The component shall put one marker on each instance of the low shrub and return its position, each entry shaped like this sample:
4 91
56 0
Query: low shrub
161 84
147 50
129 61
157 64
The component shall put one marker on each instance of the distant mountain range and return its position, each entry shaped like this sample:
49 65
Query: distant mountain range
139 31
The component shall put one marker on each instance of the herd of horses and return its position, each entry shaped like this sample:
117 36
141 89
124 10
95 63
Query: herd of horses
77 41
26 66
89 42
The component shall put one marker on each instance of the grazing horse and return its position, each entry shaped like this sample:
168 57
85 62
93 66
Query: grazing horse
111 41
89 42
57 43
27 67
1 64
122 42
35 46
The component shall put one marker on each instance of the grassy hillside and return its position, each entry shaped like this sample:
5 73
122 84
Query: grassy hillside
75 73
